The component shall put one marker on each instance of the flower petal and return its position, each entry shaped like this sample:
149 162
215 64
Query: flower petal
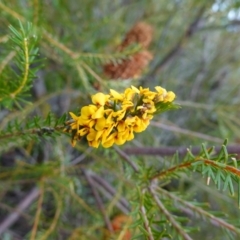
73 116
170 97
88 111
100 124
116 95
99 113
99 98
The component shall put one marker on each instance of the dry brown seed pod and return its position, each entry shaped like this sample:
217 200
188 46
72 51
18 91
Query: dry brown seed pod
141 33
129 68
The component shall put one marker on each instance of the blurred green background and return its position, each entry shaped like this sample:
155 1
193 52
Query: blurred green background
196 55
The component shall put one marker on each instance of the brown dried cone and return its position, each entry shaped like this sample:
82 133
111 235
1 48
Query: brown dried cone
140 33
128 68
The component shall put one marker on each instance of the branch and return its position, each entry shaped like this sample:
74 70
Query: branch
38 213
175 50
59 45
168 215
190 209
57 215
80 158
11 12
34 131
169 151
186 165
185 131
98 200
6 61
26 69
125 157
146 223
109 191
13 217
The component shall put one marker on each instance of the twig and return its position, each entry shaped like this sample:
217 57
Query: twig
38 213
126 158
175 50
26 73
109 188
28 109
59 45
168 215
10 209
146 223
13 217
34 131
234 171
74 196
11 12
36 12
168 151
186 131
8 58
110 192
98 200
57 215
81 157
109 196
191 209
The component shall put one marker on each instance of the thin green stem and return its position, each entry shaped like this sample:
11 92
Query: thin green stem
35 131
26 69
11 12
187 165
169 216
59 206
190 208
146 223
38 212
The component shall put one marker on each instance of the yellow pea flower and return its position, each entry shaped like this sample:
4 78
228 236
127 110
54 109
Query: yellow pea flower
147 93
75 123
109 142
116 95
129 94
130 135
100 124
170 97
148 107
140 124
113 119
92 135
83 131
115 116
121 126
161 91
127 104
99 113
88 111
106 133
100 99
135 90
74 117
94 143
119 138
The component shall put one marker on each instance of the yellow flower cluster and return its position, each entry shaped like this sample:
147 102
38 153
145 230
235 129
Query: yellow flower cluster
113 118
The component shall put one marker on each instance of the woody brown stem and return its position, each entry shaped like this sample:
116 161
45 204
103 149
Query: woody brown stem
168 151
